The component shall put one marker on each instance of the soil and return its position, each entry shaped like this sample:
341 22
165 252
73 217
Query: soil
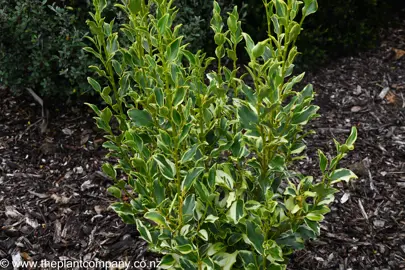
54 204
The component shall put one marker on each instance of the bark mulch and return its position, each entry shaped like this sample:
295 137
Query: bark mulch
54 204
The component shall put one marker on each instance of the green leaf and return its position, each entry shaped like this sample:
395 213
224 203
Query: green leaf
186 264
202 191
94 108
111 146
102 4
116 192
156 217
232 23
255 236
143 231
124 211
225 260
162 23
174 49
253 205
96 86
248 117
185 132
249 44
189 154
185 249
291 240
135 6
159 96
258 49
106 115
304 116
215 248
248 258
352 138
177 118
298 148
166 167
313 225
311 6
109 170
141 118
323 161
274 251
159 191
281 8
237 211
179 96
167 262
203 234
190 178
224 179
342 175
276 24
211 219
295 31
314 217
188 208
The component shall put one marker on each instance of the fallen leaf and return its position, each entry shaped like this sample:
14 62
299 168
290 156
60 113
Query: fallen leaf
398 86
391 98
398 53
26 256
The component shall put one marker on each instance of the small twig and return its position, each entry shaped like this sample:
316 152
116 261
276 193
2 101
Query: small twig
375 117
372 182
25 175
363 212
336 130
44 119
28 128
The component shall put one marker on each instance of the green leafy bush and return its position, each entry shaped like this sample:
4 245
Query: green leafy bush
206 157
41 47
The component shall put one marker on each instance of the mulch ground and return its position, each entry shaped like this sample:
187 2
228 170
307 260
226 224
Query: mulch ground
54 204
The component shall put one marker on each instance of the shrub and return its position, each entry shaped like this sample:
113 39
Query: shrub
205 157
41 47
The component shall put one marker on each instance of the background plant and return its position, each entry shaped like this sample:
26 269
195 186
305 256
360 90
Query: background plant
205 157
40 48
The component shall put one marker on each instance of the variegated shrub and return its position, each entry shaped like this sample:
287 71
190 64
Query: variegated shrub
206 151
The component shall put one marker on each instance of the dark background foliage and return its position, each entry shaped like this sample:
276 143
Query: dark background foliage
41 40
41 47
340 27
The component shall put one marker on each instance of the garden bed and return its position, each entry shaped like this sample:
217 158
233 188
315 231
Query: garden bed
54 204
